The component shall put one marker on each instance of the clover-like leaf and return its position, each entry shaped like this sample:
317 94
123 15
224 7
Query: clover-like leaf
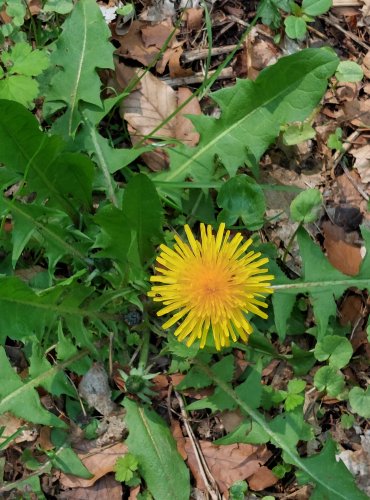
338 350
360 401
330 380
349 71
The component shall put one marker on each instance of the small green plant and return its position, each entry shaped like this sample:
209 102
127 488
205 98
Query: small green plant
296 23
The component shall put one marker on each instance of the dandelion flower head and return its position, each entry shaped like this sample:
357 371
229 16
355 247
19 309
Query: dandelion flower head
210 285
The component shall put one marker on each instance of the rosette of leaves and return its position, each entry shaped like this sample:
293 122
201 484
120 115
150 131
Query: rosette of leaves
138 382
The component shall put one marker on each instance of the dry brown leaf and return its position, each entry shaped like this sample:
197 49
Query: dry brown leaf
148 106
343 256
193 18
11 424
362 163
106 487
134 493
358 112
157 34
261 479
366 65
132 45
227 463
179 437
99 462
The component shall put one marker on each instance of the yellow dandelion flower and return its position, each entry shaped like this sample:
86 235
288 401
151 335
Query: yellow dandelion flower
211 284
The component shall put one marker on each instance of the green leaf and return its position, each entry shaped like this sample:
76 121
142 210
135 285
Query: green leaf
57 384
19 88
252 113
77 57
305 207
301 361
349 71
64 458
359 399
198 380
294 134
316 7
125 467
288 428
335 140
320 280
58 6
241 197
330 380
295 386
338 350
250 390
340 484
295 27
247 432
142 207
64 179
25 61
21 399
292 401
152 443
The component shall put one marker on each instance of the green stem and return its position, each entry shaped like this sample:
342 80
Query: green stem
290 243
144 351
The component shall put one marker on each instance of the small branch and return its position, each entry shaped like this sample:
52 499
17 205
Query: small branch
226 73
334 22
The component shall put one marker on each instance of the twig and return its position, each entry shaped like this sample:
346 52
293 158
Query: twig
195 55
346 3
226 73
333 22
207 477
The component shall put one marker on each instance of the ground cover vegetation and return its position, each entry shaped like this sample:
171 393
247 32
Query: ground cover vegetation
185 250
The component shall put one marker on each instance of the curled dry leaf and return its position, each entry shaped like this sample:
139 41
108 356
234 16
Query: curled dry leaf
11 424
228 463
358 112
149 106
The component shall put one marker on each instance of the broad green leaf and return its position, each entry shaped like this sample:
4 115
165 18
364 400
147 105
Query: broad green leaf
305 207
241 197
64 179
301 361
320 280
360 401
296 385
152 443
295 27
78 55
142 207
316 7
19 88
22 60
252 113
196 379
335 140
340 484
330 380
338 350
349 71
20 398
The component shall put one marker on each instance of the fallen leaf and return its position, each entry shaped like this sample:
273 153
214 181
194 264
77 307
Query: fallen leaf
261 479
362 162
366 65
11 424
343 256
357 462
149 106
193 18
157 34
106 487
99 461
134 493
227 463
158 11
358 112
132 45
179 437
